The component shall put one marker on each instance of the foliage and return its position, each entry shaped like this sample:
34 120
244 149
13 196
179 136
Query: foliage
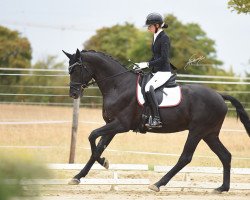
187 41
125 41
15 52
240 6
116 41
39 82
49 81
17 168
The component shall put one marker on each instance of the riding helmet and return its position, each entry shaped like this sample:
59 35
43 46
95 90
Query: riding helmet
155 18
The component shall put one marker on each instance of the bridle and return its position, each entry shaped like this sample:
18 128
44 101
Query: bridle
82 83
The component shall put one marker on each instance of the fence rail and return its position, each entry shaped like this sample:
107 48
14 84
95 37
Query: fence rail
178 81
116 181
179 75
117 151
54 92
32 69
116 168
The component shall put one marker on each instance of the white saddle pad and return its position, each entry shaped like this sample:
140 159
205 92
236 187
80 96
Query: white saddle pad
173 97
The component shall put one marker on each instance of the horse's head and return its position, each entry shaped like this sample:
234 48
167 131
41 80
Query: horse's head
80 75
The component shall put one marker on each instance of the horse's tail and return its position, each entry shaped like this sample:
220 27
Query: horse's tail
244 118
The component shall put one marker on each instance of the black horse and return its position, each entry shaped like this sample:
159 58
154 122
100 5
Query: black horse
201 111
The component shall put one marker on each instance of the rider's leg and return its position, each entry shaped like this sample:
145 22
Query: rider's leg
156 122
156 81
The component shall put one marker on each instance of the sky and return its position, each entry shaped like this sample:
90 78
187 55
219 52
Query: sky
53 25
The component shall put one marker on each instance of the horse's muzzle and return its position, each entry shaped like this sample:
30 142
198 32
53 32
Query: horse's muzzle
74 95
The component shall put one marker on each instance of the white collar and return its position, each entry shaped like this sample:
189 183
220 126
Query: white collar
156 34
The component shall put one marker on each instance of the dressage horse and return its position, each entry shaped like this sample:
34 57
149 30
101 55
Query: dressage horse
201 112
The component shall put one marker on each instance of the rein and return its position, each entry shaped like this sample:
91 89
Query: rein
85 85
104 79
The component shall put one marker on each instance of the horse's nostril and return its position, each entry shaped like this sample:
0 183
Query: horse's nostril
73 95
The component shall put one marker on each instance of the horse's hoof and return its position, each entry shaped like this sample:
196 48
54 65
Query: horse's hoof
106 163
216 191
74 181
219 190
154 188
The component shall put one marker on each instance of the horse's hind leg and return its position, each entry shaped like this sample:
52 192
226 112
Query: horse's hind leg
185 158
224 155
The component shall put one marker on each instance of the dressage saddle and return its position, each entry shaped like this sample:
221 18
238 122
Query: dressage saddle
144 79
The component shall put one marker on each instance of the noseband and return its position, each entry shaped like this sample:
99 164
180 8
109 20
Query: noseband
82 84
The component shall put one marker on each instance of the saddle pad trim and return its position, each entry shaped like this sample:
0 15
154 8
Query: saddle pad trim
137 84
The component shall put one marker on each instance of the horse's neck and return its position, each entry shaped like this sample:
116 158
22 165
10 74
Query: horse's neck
108 79
108 73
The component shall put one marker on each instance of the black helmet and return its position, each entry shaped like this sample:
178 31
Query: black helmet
155 18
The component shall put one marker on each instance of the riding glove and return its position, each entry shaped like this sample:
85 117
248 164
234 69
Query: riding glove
141 65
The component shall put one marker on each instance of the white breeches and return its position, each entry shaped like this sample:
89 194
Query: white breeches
158 80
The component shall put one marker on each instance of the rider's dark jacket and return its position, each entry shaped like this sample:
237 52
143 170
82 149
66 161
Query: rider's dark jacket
161 51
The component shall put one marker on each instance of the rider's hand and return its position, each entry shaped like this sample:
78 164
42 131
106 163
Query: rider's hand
141 65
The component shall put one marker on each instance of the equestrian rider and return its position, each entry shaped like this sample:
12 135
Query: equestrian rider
159 64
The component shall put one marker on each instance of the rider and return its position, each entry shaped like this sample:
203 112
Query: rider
159 64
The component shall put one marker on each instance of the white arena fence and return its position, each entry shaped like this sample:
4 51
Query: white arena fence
85 122
186 181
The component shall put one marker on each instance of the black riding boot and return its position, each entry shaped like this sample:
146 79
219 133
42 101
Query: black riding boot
155 122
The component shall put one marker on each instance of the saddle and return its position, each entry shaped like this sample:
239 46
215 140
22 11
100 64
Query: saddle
168 95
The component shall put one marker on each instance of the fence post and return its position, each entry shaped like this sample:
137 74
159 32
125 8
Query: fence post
76 106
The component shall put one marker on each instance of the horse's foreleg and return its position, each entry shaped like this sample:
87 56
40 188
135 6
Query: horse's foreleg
185 158
109 129
102 144
107 132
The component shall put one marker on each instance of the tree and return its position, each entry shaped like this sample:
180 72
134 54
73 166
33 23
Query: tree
47 63
189 41
15 52
126 41
240 6
116 41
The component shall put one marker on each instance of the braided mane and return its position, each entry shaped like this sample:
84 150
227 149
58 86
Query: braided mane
103 54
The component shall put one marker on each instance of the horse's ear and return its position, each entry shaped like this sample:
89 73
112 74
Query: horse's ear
78 54
67 54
